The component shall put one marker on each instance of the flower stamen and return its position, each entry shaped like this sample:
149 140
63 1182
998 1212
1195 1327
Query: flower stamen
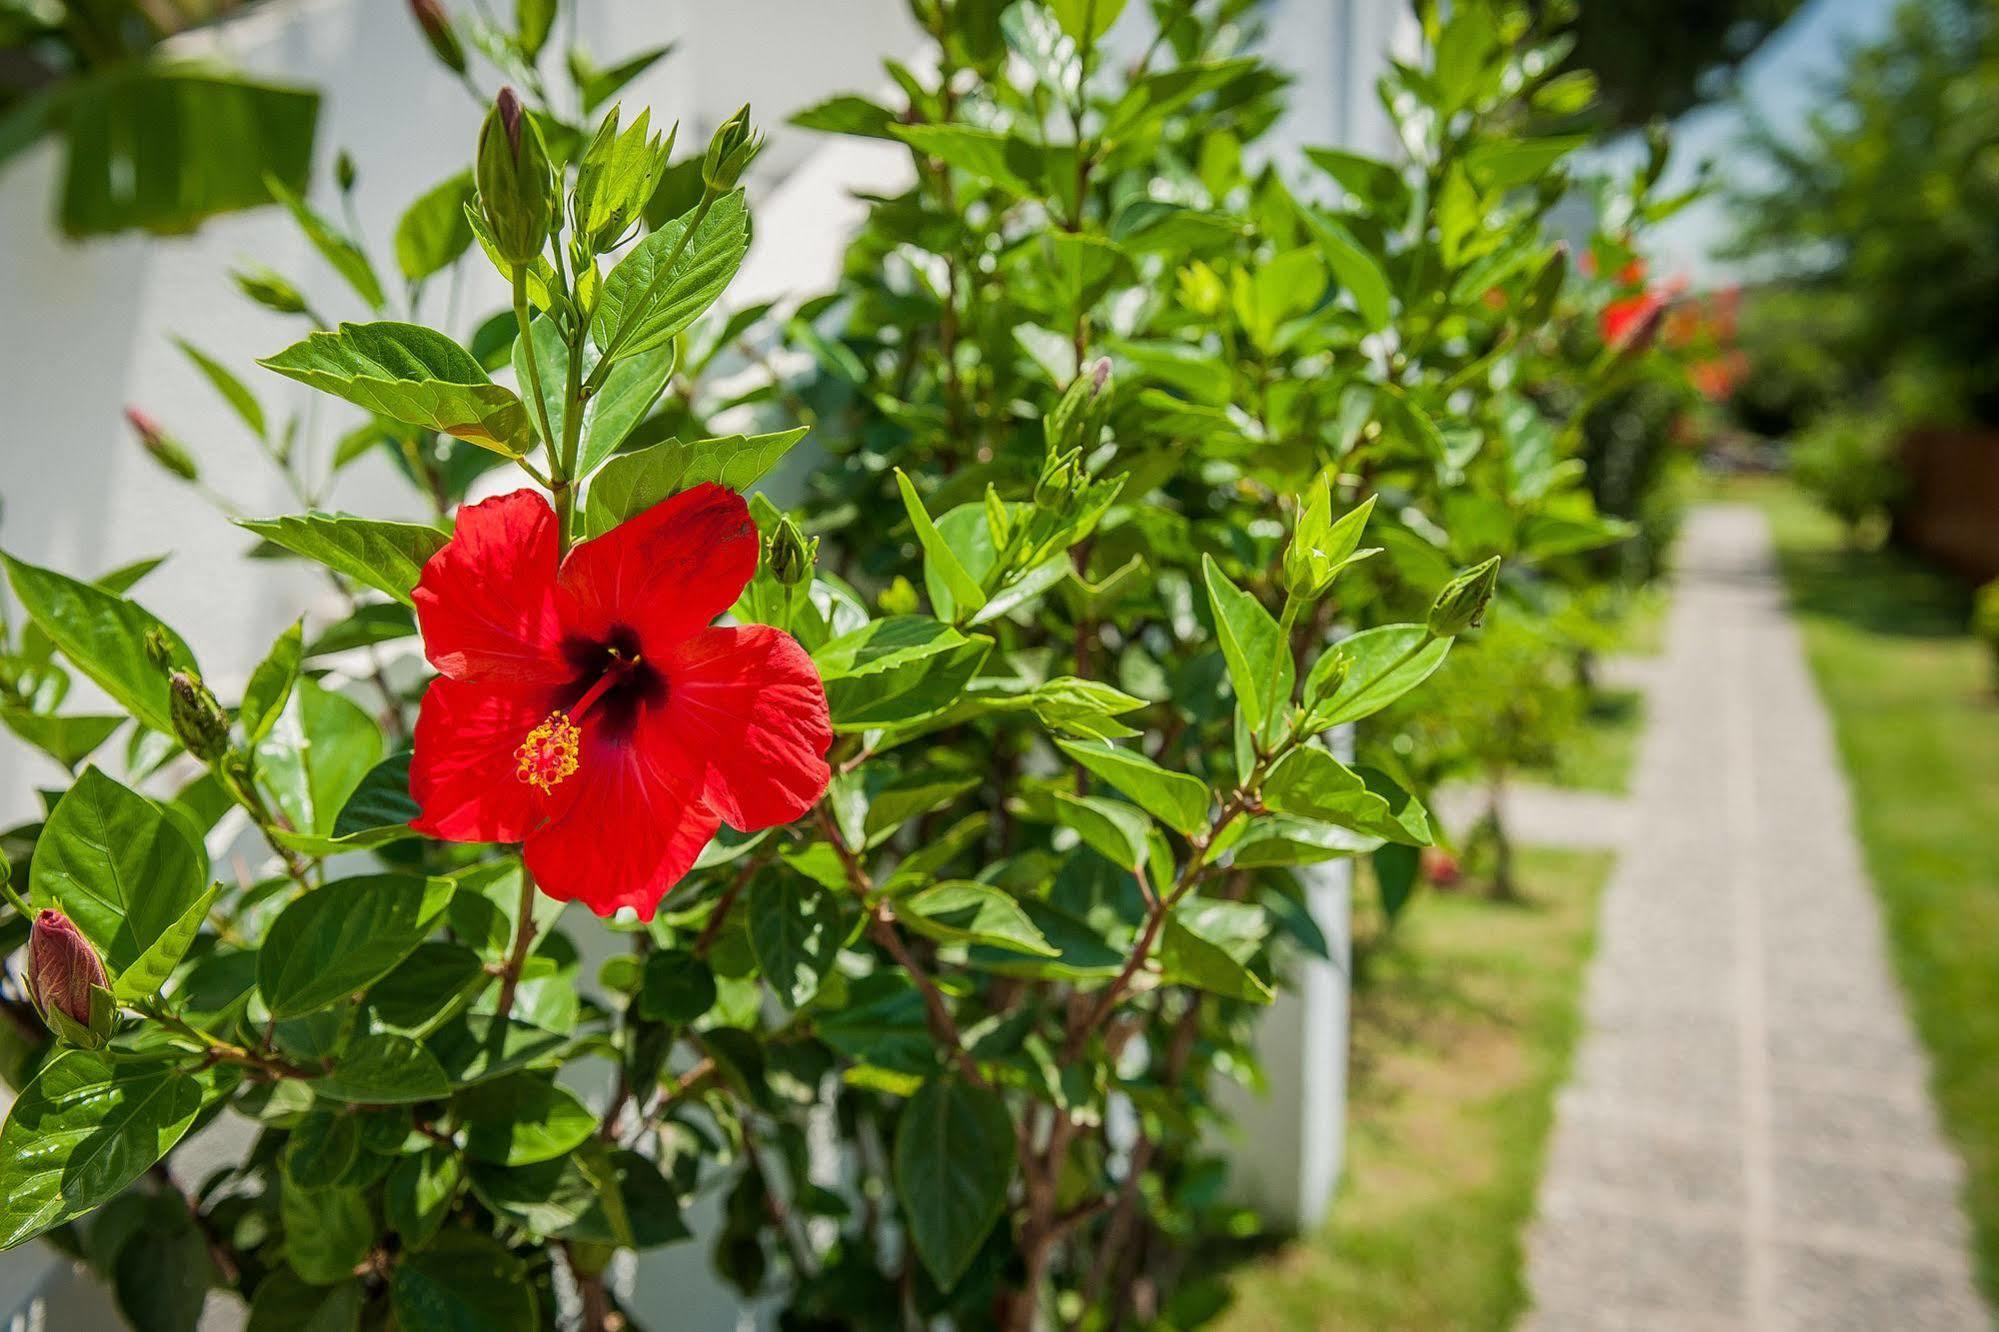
551 753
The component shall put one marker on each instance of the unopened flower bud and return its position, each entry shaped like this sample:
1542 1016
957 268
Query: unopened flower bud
1461 605
789 556
345 173
437 30
198 719
1100 375
66 981
516 182
735 145
164 449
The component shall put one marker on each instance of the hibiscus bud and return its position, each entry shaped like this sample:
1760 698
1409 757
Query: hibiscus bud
66 981
436 25
345 173
1100 375
198 719
735 145
164 449
269 290
516 182
788 555
1461 605
1440 866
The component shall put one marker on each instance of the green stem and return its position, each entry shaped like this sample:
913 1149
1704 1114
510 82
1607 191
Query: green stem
521 321
603 367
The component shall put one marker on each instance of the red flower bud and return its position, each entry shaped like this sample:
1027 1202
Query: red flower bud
62 967
437 30
510 119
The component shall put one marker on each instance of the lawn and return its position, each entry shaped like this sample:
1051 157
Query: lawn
1463 1030
1911 695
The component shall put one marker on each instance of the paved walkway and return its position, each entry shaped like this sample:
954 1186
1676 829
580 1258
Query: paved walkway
1746 1142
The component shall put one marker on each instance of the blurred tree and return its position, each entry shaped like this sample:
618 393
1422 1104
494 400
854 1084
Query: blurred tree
1888 199
1654 59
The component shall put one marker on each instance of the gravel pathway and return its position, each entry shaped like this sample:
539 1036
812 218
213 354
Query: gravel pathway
1746 1141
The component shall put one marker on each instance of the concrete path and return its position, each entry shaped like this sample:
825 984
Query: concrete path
1747 1142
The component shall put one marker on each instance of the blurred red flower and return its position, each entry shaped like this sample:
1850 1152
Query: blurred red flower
587 708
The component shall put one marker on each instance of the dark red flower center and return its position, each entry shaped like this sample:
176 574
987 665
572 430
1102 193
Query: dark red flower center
613 682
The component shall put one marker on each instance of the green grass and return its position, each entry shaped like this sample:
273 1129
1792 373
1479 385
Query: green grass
1912 701
1462 1032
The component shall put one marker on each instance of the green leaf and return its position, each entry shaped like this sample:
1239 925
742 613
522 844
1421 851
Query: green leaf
328 1232
847 114
284 1303
162 144
1504 163
464 1282
321 1148
1008 161
965 911
85 1129
383 1069
661 287
1081 952
411 374
67 740
629 391
233 390
120 868
1259 659
1386 663
797 929
1086 20
380 805
434 230
1204 948
1278 839
343 937
895 669
376 622
1395 872
386 556
676 987
271 683
339 250
565 1198
476 1047
316 755
938 557
419 1194
1311 783
954 1160
104 635
1111 828
1357 270
631 483
1179 801
521 1119
423 983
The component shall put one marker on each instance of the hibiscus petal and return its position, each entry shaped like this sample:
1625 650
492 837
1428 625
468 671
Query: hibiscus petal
631 832
665 573
464 775
745 715
486 602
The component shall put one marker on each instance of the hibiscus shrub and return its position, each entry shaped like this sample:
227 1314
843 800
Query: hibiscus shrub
942 877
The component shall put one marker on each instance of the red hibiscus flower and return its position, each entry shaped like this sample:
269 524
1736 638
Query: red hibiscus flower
1632 320
587 708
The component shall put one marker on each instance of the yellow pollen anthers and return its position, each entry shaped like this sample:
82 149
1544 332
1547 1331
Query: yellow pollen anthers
551 752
